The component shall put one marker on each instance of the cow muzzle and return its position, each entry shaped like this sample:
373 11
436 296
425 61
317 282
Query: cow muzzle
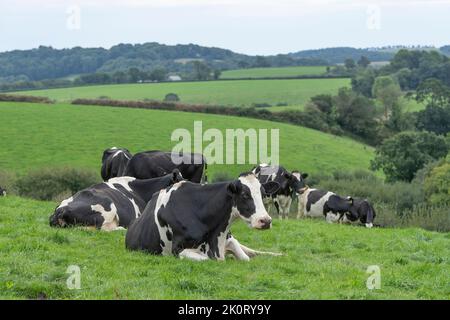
264 222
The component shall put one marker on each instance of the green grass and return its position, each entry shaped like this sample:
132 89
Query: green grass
274 72
39 135
320 261
235 93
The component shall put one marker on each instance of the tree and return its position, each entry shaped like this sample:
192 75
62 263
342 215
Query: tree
261 62
350 64
217 74
201 71
386 90
362 82
434 119
402 155
363 62
433 92
437 183
158 74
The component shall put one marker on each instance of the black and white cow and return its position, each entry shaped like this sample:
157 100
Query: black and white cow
110 205
193 221
290 184
114 162
2 192
118 162
319 203
155 163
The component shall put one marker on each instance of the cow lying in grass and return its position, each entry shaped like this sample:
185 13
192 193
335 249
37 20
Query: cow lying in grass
319 203
110 205
193 221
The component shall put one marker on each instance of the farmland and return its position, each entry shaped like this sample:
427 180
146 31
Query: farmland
235 93
320 261
77 135
273 72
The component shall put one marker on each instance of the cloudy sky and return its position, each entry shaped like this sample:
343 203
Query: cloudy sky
246 26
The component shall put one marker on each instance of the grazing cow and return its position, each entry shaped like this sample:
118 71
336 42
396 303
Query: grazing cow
2 192
290 184
152 164
192 221
114 162
319 203
110 205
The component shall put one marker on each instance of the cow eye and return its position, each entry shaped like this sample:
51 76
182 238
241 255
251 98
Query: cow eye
245 196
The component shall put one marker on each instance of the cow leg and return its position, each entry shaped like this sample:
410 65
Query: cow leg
193 254
300 208
277 206
234 247
252 253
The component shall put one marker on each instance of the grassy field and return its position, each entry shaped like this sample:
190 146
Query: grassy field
57 135
273 72
235 93
320 261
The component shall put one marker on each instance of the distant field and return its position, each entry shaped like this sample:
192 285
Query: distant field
274 72
235 93
55 135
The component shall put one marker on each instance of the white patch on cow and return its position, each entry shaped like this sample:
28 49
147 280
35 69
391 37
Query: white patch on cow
163 199
123 181
369 225
119 152
111 218
65 202
255 189
136 208
316 209
234 247
297 175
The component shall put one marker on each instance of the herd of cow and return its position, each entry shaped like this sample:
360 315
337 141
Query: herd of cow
170 209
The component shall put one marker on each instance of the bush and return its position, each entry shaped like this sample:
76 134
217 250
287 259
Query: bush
261 105
8 182
437 184
52 183
171 97
21 98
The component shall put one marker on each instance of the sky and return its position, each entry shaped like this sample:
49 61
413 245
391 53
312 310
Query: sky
246 26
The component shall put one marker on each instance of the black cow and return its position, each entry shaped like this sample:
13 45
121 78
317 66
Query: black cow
290 183
2 192
319 203
110 205
151 164
114 162
192 221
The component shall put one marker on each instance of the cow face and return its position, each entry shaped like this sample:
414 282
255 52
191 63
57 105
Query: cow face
248 194
366 212
296 180
2 192
176 176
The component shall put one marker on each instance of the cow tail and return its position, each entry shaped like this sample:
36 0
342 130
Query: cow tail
206 173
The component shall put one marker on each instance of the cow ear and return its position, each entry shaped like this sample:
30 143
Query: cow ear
287 175
304 175
271 187
176 175
234 187
350 199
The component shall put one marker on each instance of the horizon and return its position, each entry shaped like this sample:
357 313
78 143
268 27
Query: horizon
247 28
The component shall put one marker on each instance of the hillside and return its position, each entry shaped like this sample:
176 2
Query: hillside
274 72
320 261
236 93
77 136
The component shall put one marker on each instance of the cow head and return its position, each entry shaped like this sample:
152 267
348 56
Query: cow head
114 162
366 212
296 180
247 193
2 192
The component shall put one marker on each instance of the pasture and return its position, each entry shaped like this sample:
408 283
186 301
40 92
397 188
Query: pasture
321 261
42 135
274 72
234 93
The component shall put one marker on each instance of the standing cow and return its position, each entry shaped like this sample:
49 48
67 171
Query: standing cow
153 164
110 205
193 221
290 184
319 203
